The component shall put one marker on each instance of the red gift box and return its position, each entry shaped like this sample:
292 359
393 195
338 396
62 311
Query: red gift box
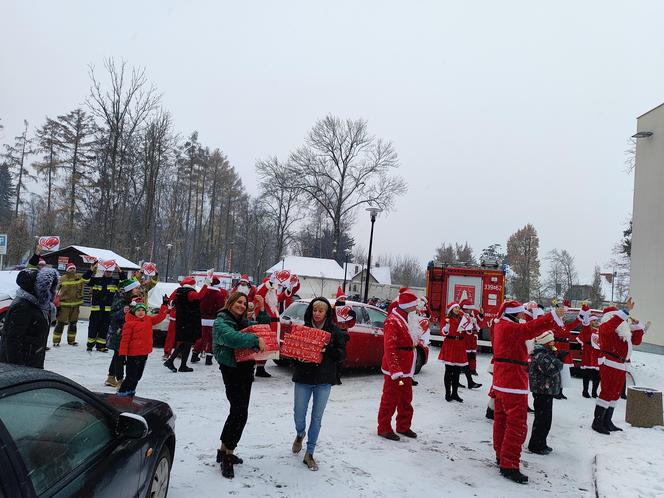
305 344
271 344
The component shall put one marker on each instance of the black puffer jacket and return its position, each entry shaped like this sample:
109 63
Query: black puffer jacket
544 371
335 352
28 319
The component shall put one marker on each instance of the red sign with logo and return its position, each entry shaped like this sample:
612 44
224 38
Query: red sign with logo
462 292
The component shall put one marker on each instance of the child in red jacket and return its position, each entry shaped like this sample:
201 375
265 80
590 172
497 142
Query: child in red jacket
136 343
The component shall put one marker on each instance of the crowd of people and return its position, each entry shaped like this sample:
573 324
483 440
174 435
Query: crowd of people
530 350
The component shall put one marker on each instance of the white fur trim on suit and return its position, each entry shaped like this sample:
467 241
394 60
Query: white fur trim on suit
614 364
207 322
557 319
510 390
515 310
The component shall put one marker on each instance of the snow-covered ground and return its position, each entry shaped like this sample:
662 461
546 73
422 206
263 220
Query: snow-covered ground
452 456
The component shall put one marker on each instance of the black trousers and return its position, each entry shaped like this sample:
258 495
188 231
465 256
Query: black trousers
135 367
116 368
98 329
238 381
542 424
451 379
182 349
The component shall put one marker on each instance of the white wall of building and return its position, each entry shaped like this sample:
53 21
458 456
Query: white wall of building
647 262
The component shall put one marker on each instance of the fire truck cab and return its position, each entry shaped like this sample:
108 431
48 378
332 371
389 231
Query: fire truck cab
484 285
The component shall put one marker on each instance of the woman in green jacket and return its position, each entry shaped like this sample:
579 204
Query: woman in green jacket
238 377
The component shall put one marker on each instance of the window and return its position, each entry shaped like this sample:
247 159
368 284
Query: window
296 311
376 317
360 315
54 431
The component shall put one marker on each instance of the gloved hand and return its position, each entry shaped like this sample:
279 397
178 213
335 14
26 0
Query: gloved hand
165 300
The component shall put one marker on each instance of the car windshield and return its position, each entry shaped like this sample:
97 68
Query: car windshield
295 311
377 318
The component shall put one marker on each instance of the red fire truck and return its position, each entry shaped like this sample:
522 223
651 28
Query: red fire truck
484 285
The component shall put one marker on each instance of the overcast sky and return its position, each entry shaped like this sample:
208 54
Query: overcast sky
502 113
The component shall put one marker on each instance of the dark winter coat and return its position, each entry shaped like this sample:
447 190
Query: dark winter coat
188 308
544 371
327 372
117 321
103 290
226 336
28 319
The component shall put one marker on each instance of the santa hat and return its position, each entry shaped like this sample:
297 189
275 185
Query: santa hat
70 266
244 278
511 308
341 295
129 284
407 299
216 283
609 309
544 338
450 307
467 304
188 281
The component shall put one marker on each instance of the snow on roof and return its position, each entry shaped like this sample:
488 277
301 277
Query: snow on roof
310 267
105 254
382 274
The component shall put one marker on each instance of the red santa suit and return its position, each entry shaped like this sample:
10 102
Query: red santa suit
616 339
588 357
272 292
453 350
290 290
344 317
211 304
562 337
169 343
510 380
398 367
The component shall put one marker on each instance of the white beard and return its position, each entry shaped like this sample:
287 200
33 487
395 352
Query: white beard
244 289
272 302
623 330
414 328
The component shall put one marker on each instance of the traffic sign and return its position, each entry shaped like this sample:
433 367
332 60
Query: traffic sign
3 243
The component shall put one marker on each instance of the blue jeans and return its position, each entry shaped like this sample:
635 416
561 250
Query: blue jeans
302 393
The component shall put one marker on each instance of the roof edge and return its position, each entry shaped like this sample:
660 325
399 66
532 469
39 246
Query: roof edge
651 110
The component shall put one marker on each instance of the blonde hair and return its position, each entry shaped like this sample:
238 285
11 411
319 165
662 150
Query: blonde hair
321 304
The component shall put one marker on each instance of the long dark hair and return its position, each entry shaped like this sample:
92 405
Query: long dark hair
309 313
232 299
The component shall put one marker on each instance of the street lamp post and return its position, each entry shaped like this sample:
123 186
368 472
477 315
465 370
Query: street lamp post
345 271
168 259
373 212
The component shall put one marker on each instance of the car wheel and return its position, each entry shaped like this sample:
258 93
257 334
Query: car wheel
419 362
161 475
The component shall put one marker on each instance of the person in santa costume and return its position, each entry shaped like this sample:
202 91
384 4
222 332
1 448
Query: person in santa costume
290 288
616 338
211 304
245 287
272 292
563 336
169 342
344 316
453 350
472 329
510 382
589 366
398 366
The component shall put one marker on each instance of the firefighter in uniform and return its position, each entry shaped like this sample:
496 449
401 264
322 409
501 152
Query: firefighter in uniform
103 290
71 299
616 338
510 382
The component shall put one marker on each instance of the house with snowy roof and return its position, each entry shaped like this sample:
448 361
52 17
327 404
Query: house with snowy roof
318 276
380 280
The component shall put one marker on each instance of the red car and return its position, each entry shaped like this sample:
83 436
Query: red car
365 348
5 301
575 347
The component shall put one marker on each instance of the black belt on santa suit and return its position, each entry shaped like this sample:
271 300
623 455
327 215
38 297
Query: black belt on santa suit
274 319
509 360
613 355
406 348
457 337
561 340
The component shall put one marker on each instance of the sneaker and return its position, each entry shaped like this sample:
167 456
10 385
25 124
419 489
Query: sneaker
297 444
390 435
169 364
409 433
514 475
310 462
126 394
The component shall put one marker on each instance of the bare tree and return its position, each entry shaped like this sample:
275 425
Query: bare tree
596 294
341 167
15 156
522 255
47 143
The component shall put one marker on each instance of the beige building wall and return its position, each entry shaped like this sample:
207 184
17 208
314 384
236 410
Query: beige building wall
647 262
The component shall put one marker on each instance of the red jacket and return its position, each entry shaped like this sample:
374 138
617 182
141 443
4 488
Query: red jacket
563 336
453 350
510 354
616 339
211 304
137 333
399 349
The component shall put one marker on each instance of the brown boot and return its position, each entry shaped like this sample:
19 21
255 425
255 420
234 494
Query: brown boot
111 381
297 444
310 462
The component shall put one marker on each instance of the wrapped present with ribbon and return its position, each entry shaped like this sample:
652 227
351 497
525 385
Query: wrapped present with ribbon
271 344
305 344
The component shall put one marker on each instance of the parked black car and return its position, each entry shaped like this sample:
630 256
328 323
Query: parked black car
59 439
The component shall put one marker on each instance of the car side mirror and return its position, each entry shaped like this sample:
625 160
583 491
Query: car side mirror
132 426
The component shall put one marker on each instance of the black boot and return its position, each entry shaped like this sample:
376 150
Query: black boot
608 423
227 466
595 379
560 395
169 364
598 420
469 379
234 458
514 475
586 381
415 383
489 413
260 372
623 395
447 380
185 368
208 359
195 358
